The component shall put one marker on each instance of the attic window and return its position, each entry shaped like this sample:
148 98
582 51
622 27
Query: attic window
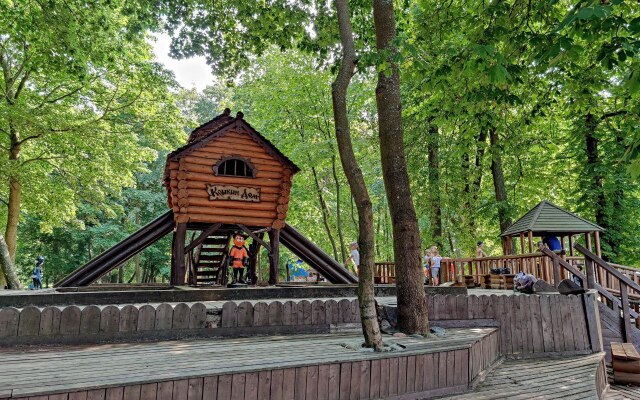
235 167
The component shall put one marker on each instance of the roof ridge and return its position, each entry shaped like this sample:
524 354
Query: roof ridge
539 207
574 215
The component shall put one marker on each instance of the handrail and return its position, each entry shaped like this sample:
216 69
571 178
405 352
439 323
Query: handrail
607 267
603 291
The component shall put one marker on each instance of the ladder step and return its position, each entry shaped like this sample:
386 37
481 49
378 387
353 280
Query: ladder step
211 240
208 257
199 280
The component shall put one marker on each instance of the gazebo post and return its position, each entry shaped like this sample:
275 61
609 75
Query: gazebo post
597 237
530 234
571 245
562 242
522 251
587 239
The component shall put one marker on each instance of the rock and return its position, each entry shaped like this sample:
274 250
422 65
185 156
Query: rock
436 330
399 335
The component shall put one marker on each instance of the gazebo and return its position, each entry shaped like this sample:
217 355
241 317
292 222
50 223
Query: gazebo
547 219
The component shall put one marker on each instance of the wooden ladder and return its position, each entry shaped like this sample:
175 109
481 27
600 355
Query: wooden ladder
210 262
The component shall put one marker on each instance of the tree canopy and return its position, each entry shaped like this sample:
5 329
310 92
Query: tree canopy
504 104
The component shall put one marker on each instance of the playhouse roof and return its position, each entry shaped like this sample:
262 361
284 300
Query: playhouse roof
547 217
220 125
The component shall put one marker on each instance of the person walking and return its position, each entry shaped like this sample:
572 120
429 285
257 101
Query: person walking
37 273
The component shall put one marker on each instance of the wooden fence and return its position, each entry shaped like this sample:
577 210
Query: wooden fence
528 324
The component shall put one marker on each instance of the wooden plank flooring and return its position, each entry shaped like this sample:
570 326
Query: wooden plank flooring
33 372
540 378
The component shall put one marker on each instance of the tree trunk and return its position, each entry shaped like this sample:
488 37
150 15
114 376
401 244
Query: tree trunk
7 265
434 186
13 213
339 88
325 212
593 170
498 181
334 171
138 273
412 305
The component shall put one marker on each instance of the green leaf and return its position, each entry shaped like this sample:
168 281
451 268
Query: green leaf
585 13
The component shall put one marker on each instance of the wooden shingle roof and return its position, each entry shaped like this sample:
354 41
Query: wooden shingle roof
547 217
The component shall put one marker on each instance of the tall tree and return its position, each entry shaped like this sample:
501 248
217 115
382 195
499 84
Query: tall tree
339 88
412 305
76 83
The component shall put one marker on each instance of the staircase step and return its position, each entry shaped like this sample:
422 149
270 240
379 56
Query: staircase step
201 280
207 273
209 257
214 240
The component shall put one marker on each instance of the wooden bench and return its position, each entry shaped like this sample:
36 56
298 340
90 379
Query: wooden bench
626 363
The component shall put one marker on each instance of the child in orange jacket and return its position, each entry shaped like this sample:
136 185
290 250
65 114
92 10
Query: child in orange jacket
239 256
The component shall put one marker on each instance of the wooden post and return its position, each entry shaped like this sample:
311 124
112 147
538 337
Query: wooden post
522 251
178 271
592 315
530 241
254 249
591 274
274 255
626 315
598 250
556 271
571 245
587 239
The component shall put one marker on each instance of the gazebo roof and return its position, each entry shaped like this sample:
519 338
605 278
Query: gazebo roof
547 217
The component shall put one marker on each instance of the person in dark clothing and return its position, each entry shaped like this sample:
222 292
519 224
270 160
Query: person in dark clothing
552 243
37 273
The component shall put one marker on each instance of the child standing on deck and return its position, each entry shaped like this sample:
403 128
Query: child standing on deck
354 257
427 265
435 265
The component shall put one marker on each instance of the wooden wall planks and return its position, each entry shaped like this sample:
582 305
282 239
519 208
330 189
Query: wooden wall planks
449 371
528 324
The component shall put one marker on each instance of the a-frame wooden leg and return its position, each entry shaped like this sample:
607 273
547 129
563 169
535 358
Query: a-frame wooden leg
274 255
178 271
254 249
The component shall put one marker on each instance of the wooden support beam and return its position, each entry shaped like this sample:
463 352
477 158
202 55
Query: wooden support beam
254 237
530 234
598 250
522 250
254 249
626 315
587 240
571 250
178 271
274 256
205 234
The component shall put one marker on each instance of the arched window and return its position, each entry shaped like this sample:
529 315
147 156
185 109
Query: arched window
235 167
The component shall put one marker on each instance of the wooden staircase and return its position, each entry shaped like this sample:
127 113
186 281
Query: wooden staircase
209 265
618 318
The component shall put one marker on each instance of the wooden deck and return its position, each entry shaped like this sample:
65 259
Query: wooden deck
573 378
111 370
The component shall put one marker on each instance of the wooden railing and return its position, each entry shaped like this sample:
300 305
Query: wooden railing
597 274
537 264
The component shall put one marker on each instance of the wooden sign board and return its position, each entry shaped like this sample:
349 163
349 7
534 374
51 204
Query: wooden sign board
235 193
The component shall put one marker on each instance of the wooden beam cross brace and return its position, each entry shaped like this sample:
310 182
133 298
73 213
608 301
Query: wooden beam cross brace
205 234
255 237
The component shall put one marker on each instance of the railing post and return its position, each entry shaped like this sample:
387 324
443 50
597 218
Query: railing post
556 271
591 274
626 316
